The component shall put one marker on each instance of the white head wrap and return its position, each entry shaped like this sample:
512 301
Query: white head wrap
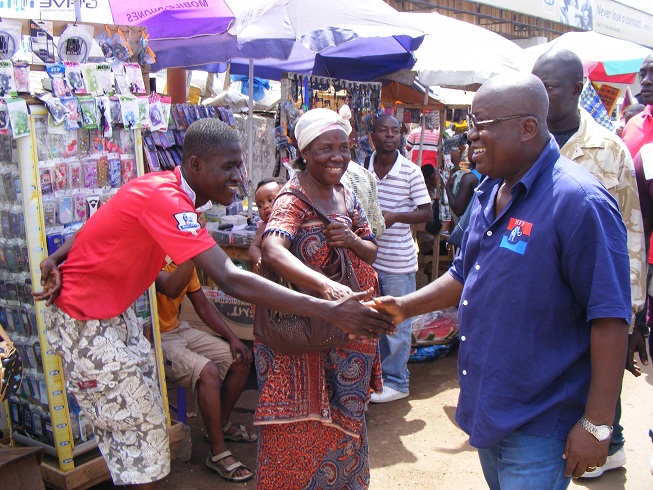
316 122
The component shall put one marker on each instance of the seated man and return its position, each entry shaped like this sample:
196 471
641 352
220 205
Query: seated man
216 368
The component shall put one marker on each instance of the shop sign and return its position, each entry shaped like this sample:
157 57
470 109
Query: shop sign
62 10
631 20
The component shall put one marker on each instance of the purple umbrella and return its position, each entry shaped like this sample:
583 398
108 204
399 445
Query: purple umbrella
165 19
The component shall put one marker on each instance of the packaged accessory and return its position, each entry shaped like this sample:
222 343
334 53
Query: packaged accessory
291 334
11 367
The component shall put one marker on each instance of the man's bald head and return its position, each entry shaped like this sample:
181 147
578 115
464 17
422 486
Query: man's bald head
565 62
561 73
516 93
508 130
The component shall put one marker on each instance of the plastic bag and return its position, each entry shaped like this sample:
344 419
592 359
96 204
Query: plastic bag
429 352
436 327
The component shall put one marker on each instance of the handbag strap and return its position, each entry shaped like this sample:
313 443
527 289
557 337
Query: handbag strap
4 335
302 197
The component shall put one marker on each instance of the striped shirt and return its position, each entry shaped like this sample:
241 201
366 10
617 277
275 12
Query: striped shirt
400 191
430 148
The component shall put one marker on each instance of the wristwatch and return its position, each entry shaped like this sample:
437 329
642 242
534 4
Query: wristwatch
601 432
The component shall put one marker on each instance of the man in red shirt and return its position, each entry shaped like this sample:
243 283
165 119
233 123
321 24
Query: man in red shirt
115 257
639 130
430 145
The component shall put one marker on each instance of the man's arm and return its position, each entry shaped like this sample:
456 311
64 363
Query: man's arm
420 215
173 283
608 345
442 293
347 313
460 201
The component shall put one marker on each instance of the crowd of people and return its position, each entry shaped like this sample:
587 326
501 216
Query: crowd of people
560 215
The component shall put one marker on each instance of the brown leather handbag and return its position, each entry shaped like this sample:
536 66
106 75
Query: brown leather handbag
291 334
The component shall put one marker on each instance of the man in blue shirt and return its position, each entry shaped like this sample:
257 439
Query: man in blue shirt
542 284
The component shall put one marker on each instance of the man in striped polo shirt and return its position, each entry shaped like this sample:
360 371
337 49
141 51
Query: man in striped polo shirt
404 200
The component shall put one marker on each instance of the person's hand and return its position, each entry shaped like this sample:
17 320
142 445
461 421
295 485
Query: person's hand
334 290
340 235
355 216
358 319
389 218
240 352
583 451
50 282
636 343
391 306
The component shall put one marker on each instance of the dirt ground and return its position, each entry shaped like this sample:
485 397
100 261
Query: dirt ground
415 444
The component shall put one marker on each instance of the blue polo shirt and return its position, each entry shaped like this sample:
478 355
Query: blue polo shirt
534 278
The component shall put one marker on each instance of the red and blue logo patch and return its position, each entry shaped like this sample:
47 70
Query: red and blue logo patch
517 239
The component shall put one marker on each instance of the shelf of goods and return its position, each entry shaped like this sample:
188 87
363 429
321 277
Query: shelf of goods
52 181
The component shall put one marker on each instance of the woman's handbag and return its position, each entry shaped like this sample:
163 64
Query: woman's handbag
291 334
11 367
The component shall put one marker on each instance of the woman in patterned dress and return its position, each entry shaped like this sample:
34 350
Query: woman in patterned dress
311 406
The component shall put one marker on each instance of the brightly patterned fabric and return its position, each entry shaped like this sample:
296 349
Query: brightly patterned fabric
591 102
606 157
363 183
311 406
110 370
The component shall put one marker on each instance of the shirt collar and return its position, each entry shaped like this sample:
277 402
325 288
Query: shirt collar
550 154
191 193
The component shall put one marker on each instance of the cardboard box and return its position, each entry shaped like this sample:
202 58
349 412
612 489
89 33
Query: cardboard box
236 314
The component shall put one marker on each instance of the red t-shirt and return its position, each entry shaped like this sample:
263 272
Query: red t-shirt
639 130
119 252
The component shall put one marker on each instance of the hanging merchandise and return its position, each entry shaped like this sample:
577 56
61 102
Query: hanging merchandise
9 38
7 82
57 72
300 93
74 78
21 76
17 109
42 41
75 43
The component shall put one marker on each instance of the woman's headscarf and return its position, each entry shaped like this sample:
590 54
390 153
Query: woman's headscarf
318 121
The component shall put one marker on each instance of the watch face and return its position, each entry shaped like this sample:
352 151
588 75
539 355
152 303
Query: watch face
602 433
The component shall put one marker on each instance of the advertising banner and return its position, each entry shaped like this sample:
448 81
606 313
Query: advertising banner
631 20
163 18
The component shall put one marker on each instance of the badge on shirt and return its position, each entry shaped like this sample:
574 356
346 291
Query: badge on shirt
187 222
87 384
517 239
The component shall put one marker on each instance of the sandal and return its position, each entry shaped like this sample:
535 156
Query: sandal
227 472
240 435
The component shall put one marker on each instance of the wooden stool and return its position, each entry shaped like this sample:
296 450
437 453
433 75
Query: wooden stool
19 468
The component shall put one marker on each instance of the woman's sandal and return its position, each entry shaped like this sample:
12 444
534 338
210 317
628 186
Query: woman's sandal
227 472
240 435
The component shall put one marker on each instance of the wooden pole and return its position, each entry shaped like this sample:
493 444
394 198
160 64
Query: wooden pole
177 85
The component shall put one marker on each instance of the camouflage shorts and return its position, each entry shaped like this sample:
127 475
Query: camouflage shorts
110 370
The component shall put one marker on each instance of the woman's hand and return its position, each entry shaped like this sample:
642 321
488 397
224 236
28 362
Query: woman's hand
340 235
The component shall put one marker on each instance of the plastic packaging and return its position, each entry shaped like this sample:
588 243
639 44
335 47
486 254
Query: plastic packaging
436 327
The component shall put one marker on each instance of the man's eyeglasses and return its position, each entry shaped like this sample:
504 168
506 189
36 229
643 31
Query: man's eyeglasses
473 123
